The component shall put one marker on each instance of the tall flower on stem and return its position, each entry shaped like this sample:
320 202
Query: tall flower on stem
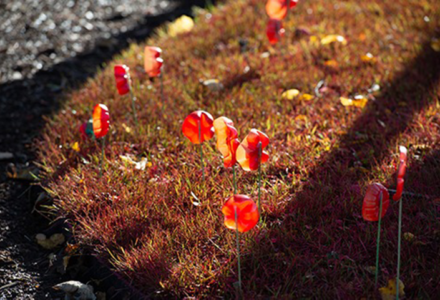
198 127
278 9
374 208
153 66
227 143
241 214
250 155
398 197
123 84
101 124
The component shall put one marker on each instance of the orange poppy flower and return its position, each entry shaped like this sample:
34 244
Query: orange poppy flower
101 120
190 126
401 173
247 151
274 31
247 213
122 79
371 205
227 141
277 9
152 61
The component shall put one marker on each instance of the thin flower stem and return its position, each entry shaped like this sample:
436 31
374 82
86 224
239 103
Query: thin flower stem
133 106
102 156
378 241
399 239
259 179
201 150
238 249
233 179
161 91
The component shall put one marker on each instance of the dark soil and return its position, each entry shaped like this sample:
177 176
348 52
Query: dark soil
47 48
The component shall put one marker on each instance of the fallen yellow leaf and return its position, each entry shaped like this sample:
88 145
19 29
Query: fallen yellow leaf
314 40
331 63
75 147
358 101
368 58
435 44
306 97
290 94
181 25
126 128
332 38
301 118
389 292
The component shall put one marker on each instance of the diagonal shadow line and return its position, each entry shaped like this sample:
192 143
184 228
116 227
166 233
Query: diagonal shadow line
368 139
43 93
367 142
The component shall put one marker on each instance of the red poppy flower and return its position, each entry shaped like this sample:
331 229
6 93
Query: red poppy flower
152 61
277 9
86 129
101 120
247 151
190 126
122 78
401 173
371 205
274 31
227 141
247 213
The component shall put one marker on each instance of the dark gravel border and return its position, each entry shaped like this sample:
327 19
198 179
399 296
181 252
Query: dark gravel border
40 61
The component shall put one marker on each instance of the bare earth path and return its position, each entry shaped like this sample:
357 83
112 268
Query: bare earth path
46 48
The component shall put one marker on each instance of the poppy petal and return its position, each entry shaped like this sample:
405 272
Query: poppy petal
227 141
101 120
152 61
274 31
371 204
247 213
122 76
399 189
247 152
190 126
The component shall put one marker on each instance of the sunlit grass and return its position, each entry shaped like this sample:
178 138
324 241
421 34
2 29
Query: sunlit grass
162 228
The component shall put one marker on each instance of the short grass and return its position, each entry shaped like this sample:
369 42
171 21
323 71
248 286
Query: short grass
163 228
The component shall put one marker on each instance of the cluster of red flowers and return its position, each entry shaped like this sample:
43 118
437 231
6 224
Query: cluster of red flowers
277 11
99 125
199 126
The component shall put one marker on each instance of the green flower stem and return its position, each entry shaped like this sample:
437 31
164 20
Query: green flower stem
201 150
161 91
133 106
259 179
102 156
238 249
399 239
378 241
233 179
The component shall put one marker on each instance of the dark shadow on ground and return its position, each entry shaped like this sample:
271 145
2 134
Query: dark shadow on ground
331 238
24 105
